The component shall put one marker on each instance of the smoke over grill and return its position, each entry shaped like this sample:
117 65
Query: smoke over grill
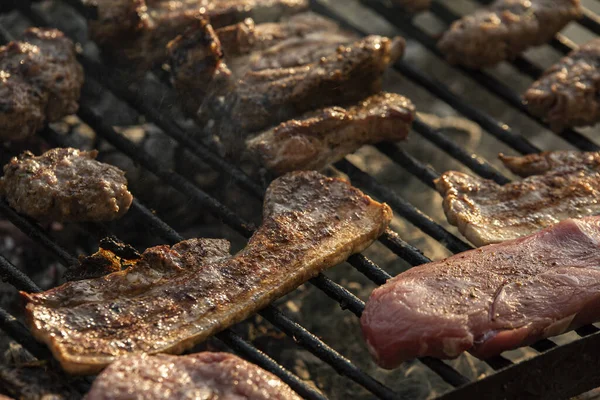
184 188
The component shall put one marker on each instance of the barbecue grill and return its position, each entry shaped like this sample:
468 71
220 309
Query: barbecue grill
556 371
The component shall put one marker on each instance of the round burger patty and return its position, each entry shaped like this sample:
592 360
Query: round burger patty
65 184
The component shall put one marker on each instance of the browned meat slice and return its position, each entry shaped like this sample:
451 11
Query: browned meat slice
208 62
196 376
491 299
486 212
176 297
135 32
323 137
568 93
40 81
540 163
505 29
413 5
65 184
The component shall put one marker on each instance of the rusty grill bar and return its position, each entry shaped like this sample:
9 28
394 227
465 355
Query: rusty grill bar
533 377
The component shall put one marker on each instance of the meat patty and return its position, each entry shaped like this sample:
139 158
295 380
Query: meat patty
40 82
135 32
195 376
505 29
175 297
568 93
567 186
491 299
325 136
65 184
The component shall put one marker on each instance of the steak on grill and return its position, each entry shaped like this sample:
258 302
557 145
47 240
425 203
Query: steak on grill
322 137
568 93
135 32
195 376
505 29
562 185
65 184
491 299
40 81
175 297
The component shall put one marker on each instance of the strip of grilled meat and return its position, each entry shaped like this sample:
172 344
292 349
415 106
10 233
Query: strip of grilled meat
65 184
40 81
322 137
195 376
505 29
175 297
568 93
135 32
562 185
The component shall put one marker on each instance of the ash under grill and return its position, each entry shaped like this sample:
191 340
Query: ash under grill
537 376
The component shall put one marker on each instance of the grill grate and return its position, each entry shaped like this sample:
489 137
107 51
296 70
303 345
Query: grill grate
493 384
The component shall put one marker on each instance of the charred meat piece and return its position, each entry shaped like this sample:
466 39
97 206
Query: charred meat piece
568 186
505 29
135 32
40 81
489 300
195 376
65 184
205 63
323 137
175 297
568 93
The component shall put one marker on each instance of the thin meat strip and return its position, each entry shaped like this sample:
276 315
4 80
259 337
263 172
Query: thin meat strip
491 299
505 29
175 297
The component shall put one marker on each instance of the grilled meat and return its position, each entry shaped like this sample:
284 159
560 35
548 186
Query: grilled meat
567 187
413 5
505 29
65 184
195 376
491 299
325 136
40 81
568 93
175 297
135 32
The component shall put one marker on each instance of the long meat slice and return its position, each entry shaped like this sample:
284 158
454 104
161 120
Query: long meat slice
176 297
491 299
505 29
323 137
568 93
135 32
40 82
561 185
195 376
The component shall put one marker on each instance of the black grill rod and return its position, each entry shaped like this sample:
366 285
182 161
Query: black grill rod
15 277
276 317
138 102
489 82
560 43
19 332
34 231
403 207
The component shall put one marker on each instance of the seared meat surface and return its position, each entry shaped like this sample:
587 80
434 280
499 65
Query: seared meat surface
568 93
491 299
40 81
175 297
65 184
135 32
195 376
322 137
562 185
505 29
